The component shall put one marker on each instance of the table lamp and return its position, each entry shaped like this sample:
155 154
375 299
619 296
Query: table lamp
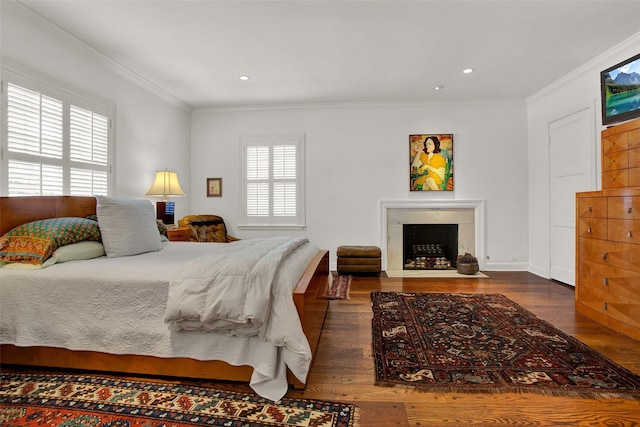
165 185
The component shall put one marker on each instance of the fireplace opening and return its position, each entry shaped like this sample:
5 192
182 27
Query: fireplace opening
430 246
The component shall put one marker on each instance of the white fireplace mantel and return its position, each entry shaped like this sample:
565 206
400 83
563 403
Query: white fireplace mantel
442 211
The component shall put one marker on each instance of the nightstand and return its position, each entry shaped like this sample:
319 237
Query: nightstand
179 234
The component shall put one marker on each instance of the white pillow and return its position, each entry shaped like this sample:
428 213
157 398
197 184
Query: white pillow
128 226
86 249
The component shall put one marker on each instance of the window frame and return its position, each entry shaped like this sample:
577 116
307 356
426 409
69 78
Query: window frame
296 222
69 97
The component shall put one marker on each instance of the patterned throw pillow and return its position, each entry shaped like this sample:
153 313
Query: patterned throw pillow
34 242
162 228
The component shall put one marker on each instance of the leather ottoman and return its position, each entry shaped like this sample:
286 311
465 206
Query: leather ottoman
359 259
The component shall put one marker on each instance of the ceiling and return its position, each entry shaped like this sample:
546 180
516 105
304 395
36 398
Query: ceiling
306 52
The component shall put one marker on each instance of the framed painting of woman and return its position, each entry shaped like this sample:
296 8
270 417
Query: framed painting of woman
431 162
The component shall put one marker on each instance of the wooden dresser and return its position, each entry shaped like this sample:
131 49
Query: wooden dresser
608 236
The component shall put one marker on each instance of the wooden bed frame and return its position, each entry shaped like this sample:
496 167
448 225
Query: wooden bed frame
19 210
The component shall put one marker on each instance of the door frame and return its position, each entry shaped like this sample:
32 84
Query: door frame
594 155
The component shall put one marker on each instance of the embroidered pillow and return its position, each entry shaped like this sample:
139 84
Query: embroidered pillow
34 242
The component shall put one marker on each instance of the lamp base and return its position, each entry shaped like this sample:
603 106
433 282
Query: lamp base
165 212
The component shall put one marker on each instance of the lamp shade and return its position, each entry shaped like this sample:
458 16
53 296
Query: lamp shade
165 185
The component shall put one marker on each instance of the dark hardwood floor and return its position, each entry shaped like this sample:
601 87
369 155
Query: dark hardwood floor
343 369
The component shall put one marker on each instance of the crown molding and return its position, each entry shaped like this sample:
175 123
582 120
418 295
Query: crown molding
110 63
372 104
607 56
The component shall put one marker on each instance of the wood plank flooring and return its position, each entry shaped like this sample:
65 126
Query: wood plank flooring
343 368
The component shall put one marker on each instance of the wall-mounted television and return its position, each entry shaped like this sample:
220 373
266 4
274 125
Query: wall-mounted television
620 91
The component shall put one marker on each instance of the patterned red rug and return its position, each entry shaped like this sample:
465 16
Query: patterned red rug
70 400
485 343
339 288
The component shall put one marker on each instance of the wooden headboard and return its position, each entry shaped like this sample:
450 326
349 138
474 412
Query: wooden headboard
19 210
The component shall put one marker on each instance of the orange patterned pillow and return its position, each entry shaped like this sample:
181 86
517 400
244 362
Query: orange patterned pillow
35 242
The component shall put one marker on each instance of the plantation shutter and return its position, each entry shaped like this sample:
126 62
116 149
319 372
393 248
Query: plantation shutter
258 181
284 180
32 179
34 123
55 143
34 132
89 142
274 180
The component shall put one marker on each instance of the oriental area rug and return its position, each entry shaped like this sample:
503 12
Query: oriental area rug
72 400
470 343
337 289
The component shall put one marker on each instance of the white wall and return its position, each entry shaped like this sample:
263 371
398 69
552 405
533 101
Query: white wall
151 131
357 155
578 90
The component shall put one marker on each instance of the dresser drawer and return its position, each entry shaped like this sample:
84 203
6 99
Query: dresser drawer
618 178
623 207
623 309
634 138
615 160
615 142
613 254
634 158
634 177
625 283
592 207
624 230
594 228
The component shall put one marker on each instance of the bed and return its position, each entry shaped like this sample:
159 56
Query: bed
122 304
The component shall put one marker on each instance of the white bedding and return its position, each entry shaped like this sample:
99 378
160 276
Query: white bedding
230 291
117 305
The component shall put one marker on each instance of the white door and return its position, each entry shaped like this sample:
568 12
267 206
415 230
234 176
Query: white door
571 169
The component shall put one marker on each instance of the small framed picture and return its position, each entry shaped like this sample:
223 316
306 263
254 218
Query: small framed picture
214 187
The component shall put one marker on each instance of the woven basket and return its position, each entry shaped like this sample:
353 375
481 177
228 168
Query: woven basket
468 268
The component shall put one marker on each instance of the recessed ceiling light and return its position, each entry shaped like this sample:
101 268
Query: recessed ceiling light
468 70
438 87
244 78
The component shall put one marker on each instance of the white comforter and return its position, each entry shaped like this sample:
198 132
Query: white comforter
232 291
117 305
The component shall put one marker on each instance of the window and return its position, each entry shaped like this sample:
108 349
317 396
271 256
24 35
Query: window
273 180
55 143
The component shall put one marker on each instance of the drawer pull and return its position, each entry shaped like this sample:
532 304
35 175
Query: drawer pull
629 210
605 281
590 209
604 306
605 255
589 230
629 234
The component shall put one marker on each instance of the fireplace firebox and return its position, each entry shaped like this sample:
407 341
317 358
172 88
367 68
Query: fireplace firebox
430 246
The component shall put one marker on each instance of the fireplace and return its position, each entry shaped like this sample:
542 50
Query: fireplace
429 246
468 215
